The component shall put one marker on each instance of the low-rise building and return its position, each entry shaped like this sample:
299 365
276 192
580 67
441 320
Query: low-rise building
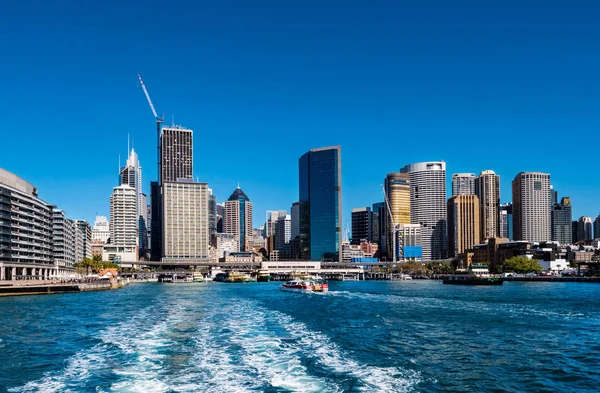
242 257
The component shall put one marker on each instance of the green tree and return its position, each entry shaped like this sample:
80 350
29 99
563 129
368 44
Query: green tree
440 267
521 264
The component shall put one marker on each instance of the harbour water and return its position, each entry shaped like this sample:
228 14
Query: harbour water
410 336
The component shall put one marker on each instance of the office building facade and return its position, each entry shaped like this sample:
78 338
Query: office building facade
186 222
505 221
238 218
531 207
320 204
463 224
362 225
83 240
101 230
584 228
487 189
397 191
25 230
63 241
597 227
123 224
463 184
561 221
176 147
428 205
283 231
295 213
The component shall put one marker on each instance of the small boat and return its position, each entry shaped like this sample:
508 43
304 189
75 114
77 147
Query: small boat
319 284
238 277
302 286
477 274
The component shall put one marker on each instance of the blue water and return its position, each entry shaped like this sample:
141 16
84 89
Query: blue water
416 336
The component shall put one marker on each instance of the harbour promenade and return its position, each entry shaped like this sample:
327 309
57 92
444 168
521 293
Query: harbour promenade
44 287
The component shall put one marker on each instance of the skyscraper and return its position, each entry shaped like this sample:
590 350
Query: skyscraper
487 189
63 240
597 227
320 199
379 222
238 218
561 221
397 191
271 221
531 207
463 224
83 240
101 230
131 175
124 222
463 184
185 221
505 221
428 205
176 154
362 225
584 228
156 224
295 220
283 231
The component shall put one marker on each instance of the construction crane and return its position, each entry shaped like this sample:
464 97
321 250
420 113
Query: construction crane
395 230
159 121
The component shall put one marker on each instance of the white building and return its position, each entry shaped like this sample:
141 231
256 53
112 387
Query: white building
63 241
271 221
83 240
186 236
101 230
123 224
428 205
531 207
225 244
131 175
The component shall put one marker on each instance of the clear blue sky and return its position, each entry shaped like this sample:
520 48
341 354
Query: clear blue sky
509 85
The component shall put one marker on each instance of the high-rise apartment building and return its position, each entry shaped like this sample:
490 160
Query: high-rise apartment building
597 227
531 207
397 191
362 225
295 220
487 189
83 240
584 228
505 221
561 221
123 224
463 224
463 184
428 205
238 218
25 230
101 230
186 222
320 199
176 149
283 231
63 240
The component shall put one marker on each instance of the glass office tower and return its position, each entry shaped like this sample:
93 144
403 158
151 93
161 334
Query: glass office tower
320 197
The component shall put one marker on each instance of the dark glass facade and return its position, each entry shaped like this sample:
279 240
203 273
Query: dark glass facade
320 204
156 223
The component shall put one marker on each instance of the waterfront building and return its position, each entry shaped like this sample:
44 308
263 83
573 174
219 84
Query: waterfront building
597 227
25 230
225 244
463 224
320 209
505 221
428 205
156 238
397 190
379 227
63 241
185 222
463 184
487 189
561 221
176 154
283 231
238 218
362 225
131 175
101 230
124 219
83 240
295 220
531 207
584 228
412 243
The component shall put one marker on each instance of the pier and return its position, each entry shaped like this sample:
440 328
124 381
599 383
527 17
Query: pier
45 288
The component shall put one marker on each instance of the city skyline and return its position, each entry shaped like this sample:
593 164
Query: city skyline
503 96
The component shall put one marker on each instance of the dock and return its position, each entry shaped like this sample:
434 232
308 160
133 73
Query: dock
16 289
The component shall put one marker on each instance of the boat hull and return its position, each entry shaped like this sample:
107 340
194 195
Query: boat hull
297 290
475 281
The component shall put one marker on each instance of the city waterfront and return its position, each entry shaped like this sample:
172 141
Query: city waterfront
405 336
